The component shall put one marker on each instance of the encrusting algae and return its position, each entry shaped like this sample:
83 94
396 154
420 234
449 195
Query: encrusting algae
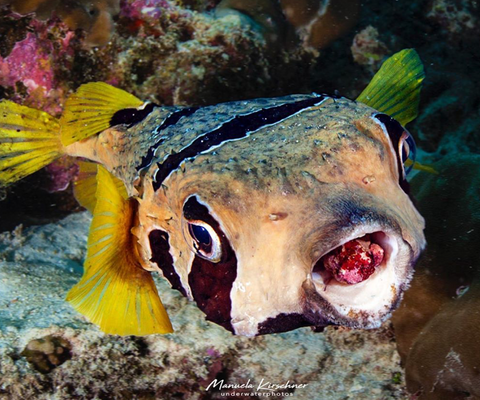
170 196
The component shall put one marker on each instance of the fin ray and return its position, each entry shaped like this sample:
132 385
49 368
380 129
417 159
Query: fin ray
115 292
85 186
29 140
89 110
395 88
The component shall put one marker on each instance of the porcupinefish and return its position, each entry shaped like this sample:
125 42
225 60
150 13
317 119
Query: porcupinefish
271 214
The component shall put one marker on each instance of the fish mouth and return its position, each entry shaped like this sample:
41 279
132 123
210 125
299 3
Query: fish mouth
359 281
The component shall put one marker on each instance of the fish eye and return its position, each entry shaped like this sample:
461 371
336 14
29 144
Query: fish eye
408 151
402 142
200 234
203 240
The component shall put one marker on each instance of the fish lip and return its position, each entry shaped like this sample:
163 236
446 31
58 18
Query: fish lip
366 304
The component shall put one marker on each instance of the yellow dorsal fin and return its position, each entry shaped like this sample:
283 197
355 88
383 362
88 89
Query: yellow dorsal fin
89 110
115 292
29 140
85 186
395 88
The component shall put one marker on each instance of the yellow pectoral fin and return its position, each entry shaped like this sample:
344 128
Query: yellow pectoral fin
90 109
115 292
85 186
29 140
395 88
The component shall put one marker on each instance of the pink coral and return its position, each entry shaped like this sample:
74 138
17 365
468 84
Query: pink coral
30 68
59 175
145 8
30 62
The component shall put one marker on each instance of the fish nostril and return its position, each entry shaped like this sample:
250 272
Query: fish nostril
352 262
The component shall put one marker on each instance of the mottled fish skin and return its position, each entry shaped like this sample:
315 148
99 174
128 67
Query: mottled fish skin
123 148
270 213
279 198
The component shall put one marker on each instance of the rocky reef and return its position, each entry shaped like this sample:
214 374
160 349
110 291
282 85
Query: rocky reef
94 17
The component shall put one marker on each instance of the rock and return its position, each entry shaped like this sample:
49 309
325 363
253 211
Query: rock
368 50
315 24
47 353
459 20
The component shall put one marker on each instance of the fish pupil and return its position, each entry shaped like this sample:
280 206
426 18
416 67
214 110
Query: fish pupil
201 236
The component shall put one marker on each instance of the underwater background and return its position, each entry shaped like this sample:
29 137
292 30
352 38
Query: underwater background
198 52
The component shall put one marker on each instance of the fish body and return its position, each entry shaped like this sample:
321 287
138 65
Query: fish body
270 214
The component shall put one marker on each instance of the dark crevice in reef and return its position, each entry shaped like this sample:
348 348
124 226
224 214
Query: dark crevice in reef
27 203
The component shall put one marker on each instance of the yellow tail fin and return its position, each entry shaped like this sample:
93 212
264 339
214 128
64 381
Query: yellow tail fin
395 88
90 109
115 292
29 140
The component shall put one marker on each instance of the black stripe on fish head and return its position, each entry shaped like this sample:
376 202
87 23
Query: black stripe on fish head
239 127
160 247
210 281
169 121
131 116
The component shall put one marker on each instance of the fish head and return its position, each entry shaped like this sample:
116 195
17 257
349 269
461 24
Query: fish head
306 222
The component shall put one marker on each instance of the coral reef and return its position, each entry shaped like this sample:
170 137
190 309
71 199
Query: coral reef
95 17
368 50
161 52
458 19
336 364
319 23
437 323
28 70
313 23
